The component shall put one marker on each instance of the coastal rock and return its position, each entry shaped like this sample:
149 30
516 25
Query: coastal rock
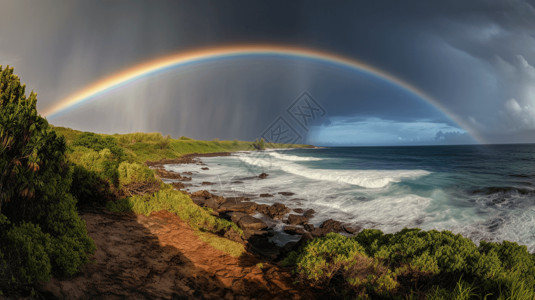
292 229
351 229
261 246
265 195
309 227
202 194
236 216
245 206
263 175
309 213
211 203
298 210
275 211
163 173
247 234
187 173
184 178
251 223
178 185
286 193
331 225
296 219
207 183
205 168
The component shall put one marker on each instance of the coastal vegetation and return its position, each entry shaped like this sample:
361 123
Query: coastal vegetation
49 173
415 264
41 233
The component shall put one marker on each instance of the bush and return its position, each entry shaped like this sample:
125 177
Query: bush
98 143
39 214
135 172
428 263
89 188
102 163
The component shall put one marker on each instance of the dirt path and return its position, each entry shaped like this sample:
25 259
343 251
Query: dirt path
160 256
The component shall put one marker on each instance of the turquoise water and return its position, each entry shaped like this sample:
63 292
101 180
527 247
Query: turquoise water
483 192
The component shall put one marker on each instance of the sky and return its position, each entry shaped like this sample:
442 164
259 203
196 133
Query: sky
476 58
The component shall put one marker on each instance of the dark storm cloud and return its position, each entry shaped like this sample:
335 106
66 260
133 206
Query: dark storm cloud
475 57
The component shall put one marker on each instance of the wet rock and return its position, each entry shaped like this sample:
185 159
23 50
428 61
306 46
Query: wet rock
307 236
178 185
244 206
309 227
184 178
251 223
236 199
203 193
351 229
265 195
236 216
261 246
292 229
187 173
275 211
237 181
205 168
286 193
211 203
298 210
309 213
207 183
263 175
296 219
247 234
331 225
289 247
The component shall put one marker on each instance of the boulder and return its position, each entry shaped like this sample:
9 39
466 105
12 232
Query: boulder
351 229
205 168
286 193
251 223
309 213
263 175
203 193
277 211
298 210
244 206
309 227
296 219
331 225
292 229
236 216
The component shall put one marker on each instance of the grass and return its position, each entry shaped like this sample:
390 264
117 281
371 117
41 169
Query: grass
142 147
232 248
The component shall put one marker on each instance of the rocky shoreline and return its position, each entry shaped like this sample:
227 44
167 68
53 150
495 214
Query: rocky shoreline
256 220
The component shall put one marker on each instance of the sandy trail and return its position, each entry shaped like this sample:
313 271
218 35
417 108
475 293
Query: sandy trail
160 256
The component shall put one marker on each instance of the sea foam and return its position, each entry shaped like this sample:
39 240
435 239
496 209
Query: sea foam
362 178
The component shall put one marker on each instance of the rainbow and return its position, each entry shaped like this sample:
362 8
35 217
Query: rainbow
197 56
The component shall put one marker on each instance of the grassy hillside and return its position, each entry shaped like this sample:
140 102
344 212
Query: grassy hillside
141 147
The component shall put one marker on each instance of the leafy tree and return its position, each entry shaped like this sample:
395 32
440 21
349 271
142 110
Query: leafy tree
44 235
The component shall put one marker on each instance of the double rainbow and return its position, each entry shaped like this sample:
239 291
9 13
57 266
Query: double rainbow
183 58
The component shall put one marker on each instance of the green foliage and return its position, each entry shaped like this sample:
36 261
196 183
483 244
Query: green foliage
259 144
44 234
416 260
135 173
89 188
341 264
102 163
98 143
178 203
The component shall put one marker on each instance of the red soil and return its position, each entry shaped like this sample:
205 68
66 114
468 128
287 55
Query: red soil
160 256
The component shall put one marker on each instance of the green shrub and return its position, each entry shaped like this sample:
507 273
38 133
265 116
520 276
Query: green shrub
135 172
89 188
98 143
439 265
39 219
102 163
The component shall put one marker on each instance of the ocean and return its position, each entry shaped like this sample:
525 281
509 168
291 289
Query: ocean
485 192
